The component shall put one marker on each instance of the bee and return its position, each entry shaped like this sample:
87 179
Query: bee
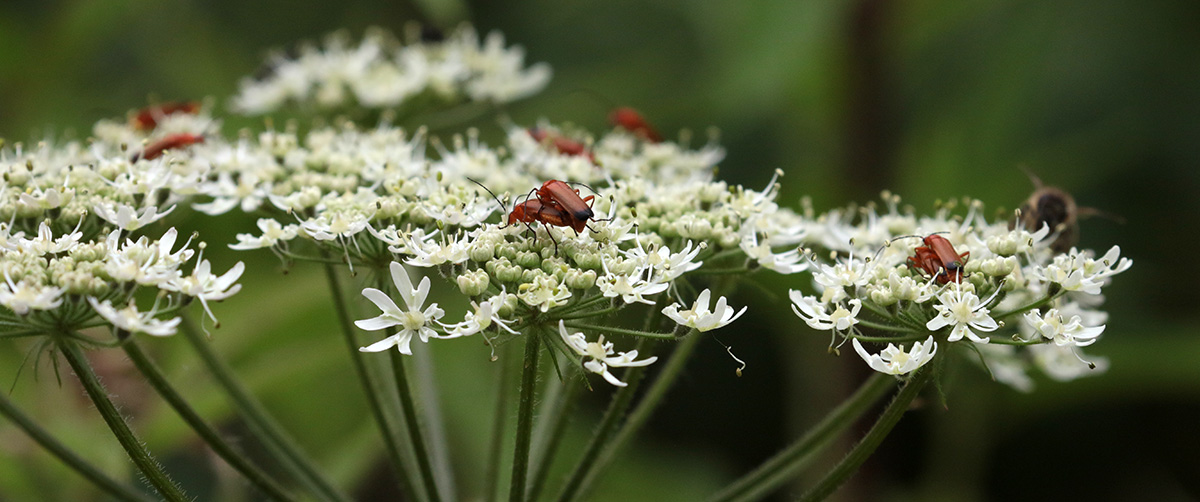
1055 207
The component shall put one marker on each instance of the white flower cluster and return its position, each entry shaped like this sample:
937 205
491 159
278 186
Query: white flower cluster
380 72
77 245
892 277
381 195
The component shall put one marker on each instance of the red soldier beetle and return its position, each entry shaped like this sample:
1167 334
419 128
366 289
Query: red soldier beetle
561 144
146 119
938 258
156 149
629 119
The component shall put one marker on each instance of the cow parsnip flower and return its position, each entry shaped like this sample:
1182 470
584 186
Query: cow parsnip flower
412 319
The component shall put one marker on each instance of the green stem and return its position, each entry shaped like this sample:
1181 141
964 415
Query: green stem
491 484
260 423
893 339
782 467
1004 341
133 446
1030 306
550 431
884 327
154 376
621 331
570 309
638 417
590 313
43 438
722 271
520 468
588 470
861 451
415 436
391 439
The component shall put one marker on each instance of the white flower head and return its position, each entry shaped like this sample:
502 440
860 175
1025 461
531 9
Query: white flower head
700 317
817 315
600 355
894 360
1063 332
412 321
23 296
126 217
481 318
962 309
129 319
207 286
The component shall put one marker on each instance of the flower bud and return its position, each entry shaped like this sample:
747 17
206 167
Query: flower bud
473 283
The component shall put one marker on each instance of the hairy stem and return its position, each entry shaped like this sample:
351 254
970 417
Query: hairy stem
133 446
782 467
520 468
865 447
261 424
415 436
269 487
391 439
75 462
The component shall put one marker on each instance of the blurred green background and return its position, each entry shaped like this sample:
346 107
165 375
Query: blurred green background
934 99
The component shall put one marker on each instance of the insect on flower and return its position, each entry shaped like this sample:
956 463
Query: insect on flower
938 258
547 208
561 144
147 118
156 149
1056 208
631 120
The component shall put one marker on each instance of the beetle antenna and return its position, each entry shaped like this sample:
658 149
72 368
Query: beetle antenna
502 206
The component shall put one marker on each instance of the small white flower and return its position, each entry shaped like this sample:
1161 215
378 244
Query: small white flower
480 319
700 317
125 217
817 316
206 286
894 360
129 319
22 296
45 243
788 262
412 321
272 233
545 292
631 288
964 311
1064 363
1071 332
601 355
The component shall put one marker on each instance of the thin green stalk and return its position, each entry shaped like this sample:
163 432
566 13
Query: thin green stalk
439 445
256 476
782 467
415 436
504 388
722 271
85 469
1003 341
884 327
520 468
638 417
863 450
133 446
391 439
617 408
1030 306
893 339
621 331
551 430
261 424
590 313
